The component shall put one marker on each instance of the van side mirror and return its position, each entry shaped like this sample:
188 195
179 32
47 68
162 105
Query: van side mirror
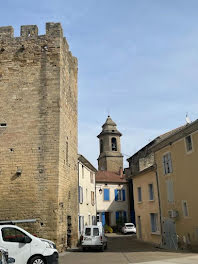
11 260
26 240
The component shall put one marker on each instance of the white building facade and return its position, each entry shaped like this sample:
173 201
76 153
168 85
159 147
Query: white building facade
112 203
87 193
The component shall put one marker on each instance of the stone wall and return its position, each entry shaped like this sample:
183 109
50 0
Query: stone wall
38 115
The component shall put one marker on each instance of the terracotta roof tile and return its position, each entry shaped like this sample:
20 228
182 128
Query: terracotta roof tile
109 176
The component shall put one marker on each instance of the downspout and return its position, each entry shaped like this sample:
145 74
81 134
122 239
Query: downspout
159 202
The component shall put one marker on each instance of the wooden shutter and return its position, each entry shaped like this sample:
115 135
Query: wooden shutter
123 195
116 195
106 194
103 218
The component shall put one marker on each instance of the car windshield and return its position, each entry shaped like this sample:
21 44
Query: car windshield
88 231
95 232
129 225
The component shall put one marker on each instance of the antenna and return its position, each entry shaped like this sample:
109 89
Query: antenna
188 121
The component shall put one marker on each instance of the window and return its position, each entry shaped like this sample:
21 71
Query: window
113 144
10 234
82 171
154 223
106 194
101 146
91 177
170 191
151 192
139 189
185 208
92 198
119 195
121 217
167 163
88 231
188 140
94 220
80 194
81 224
95 232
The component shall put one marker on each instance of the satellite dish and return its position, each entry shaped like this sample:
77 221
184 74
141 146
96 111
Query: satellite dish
188 121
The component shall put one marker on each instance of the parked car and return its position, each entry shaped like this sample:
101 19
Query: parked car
4 259
129 228
94 237
25 248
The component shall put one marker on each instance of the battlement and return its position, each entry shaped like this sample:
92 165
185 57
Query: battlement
52 30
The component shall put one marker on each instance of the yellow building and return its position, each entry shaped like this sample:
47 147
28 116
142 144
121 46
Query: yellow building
167 169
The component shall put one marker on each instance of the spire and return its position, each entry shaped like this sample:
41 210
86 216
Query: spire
109 127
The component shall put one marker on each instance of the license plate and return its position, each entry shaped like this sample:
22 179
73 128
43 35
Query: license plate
87 238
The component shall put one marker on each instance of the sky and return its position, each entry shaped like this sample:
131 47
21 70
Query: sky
138 63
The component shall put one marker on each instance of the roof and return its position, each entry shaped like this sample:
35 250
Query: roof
163 137
110 177
109 122
109 127
85 162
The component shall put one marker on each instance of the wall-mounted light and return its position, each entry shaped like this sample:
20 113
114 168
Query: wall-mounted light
100 191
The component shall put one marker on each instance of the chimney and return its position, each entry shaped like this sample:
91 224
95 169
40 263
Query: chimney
121 173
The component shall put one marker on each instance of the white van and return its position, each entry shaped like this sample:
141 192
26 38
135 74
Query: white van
25 248
94 237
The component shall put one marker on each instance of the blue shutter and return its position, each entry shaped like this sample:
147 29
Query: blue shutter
123 195
106 194
117 217
125 216
116 195
103 218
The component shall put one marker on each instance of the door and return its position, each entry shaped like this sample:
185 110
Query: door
107 218
169 237
139 228
12 239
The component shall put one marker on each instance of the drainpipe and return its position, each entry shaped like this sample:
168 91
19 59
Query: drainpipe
159 202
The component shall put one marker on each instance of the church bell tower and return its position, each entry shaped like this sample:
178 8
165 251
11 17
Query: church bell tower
110 158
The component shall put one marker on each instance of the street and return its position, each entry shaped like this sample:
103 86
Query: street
127 249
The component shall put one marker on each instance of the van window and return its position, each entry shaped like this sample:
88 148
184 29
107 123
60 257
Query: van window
88 231
12 235
95 232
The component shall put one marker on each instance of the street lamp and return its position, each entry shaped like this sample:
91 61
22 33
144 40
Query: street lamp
100 191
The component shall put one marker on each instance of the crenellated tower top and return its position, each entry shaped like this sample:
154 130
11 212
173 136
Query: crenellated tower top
28 31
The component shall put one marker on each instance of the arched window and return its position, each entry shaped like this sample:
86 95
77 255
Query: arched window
114 144
101 146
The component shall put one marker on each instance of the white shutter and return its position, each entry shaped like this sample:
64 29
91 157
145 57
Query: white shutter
170 191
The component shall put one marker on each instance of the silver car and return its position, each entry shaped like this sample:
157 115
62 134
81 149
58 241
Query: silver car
129 228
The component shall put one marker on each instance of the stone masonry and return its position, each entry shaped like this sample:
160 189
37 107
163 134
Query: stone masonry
38 132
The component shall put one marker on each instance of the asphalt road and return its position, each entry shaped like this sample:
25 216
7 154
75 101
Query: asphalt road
125 250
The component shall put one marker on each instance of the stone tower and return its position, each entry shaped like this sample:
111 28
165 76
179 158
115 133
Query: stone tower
38 132
110 158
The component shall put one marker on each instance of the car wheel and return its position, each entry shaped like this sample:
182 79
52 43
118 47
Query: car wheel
105 246
37 260
102 248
